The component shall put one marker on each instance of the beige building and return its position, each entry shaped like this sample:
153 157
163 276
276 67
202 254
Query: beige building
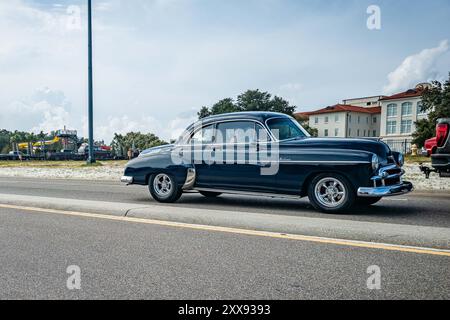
399 113
366 102
345 121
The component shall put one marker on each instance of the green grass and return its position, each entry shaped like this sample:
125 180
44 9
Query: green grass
91 165
59 164
417 159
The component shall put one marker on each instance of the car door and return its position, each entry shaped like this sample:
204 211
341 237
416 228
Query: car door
237 164
199 145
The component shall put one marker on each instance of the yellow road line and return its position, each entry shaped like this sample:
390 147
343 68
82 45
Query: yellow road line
267 234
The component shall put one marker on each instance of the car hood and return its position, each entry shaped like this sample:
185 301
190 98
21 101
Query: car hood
370 145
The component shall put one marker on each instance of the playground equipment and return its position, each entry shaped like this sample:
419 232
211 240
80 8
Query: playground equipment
68 139
39 144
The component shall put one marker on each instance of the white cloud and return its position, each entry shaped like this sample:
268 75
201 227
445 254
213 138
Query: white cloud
124 124
415 68
46 110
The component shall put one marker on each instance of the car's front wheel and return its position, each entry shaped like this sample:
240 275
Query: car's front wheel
164 188
331 193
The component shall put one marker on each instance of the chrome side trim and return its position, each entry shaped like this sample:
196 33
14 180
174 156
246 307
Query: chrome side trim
324 161
250 193
190 179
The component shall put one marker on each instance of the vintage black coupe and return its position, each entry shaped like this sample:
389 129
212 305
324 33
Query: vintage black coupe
269 154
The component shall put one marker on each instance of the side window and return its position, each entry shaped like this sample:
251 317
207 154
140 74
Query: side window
204 136
236 132
261 134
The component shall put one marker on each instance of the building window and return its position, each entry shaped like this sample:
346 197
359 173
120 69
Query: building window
364 133
359 119
420 111
374 120
336 118
349 118
367 120
357 133
325 133
392 110
406 109
406 126
391 127
316 120
374 133
326 119
336 132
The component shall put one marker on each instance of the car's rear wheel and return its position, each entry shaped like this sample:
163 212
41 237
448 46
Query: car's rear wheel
362 201
164 188
331 193
209 194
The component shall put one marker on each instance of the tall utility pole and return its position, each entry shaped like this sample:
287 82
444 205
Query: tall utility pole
91 158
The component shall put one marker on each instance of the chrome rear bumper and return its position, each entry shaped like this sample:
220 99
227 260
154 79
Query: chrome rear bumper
386 191
127 180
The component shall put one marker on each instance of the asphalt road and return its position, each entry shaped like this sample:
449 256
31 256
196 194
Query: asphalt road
126 260
422 209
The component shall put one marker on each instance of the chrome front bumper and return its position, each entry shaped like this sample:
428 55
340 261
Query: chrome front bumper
388 182
127 180
387 191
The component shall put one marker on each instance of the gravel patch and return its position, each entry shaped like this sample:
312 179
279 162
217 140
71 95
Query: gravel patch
113 173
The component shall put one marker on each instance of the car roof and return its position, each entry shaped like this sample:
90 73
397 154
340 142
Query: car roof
247 115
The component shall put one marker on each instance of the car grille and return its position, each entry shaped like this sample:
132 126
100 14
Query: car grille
388 176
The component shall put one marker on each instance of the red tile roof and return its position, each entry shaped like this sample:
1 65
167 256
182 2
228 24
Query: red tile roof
411 93
341 108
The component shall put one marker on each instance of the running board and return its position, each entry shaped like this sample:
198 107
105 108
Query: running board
248 193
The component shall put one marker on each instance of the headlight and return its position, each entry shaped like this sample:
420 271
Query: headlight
375 162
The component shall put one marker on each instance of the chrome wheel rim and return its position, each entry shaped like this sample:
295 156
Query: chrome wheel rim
330 192
162 184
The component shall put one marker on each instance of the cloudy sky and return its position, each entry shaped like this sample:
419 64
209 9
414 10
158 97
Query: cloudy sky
158 61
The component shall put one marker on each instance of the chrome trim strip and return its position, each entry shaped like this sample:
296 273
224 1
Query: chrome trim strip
190 179
386 191
250 193
324 161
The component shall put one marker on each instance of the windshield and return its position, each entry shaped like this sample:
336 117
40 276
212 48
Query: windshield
285 129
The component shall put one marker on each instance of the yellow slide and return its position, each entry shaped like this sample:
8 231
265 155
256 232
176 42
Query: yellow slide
38 144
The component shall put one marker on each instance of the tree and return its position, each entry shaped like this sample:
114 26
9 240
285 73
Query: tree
254 100
204 112
251 100
224 106
435 100
121 144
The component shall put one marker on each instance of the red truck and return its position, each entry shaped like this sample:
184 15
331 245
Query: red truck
439 150
430 147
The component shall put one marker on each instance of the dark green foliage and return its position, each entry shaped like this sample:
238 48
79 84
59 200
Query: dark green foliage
134 140
251 100
437 101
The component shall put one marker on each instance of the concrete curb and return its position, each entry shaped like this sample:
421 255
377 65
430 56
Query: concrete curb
420 236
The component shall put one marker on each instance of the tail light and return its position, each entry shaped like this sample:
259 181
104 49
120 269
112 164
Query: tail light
441 134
